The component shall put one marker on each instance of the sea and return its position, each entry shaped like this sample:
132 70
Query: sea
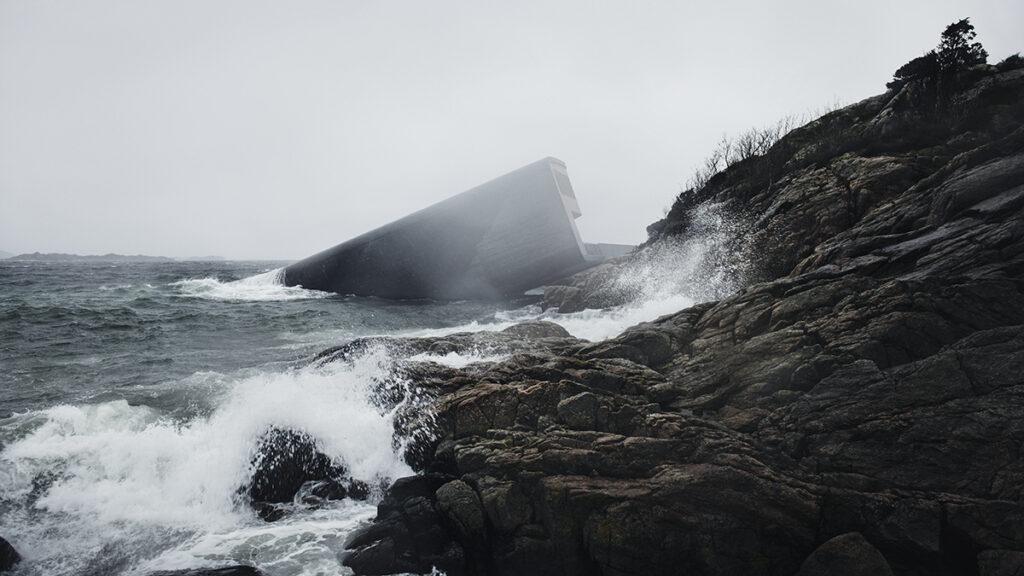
132 396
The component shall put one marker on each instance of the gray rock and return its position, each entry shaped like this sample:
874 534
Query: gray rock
566 299
581 411
461 505
867 382
8 556
537 329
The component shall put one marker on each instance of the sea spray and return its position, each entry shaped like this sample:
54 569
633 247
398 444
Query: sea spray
708 262
267 286
111 479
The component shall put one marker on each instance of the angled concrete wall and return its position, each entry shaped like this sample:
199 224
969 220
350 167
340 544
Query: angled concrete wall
501 238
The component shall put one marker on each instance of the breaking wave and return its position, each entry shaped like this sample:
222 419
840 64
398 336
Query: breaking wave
708 263
113 487
265 287
106 481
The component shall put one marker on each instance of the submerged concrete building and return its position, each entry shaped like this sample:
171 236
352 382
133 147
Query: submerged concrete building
501 238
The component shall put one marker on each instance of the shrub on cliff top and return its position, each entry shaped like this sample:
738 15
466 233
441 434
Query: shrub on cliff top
1011 62
957 51
957 48
921 67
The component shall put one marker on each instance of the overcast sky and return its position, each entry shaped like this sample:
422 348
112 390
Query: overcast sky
259 129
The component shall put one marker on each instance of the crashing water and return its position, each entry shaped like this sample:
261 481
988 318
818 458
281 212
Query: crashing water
265 287
132 478
133 395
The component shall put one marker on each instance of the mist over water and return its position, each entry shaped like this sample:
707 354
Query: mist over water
133 397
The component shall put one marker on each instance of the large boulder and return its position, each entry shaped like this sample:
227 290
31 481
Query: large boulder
288 464
410 534
460 506
8 556
537 329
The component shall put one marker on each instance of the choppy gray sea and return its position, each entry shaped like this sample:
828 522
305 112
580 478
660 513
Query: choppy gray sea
131 397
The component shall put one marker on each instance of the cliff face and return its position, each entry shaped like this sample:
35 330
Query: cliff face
858 408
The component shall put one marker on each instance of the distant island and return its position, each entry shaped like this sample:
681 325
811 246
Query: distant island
203 259
60 257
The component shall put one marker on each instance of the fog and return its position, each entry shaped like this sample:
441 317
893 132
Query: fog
258 129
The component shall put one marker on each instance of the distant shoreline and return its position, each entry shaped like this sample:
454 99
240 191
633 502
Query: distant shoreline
62 257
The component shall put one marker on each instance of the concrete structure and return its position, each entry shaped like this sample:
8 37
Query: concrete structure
501 238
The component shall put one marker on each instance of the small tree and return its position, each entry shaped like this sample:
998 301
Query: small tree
957 48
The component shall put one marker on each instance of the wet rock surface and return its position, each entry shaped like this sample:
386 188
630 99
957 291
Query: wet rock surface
861 404
288 466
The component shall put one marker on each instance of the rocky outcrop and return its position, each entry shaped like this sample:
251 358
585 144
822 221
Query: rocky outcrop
861 404
825 185
8 556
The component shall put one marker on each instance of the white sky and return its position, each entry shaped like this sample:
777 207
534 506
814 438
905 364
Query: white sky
252 128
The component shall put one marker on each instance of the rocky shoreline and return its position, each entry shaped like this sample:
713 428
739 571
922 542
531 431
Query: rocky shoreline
857 408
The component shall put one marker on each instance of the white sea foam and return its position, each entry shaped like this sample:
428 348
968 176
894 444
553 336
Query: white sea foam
669 276
498 322
596 325
306 544
590 324
457 360
129 479
268 286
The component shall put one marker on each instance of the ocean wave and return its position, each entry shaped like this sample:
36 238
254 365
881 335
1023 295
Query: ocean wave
118 477
155 487
266 287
